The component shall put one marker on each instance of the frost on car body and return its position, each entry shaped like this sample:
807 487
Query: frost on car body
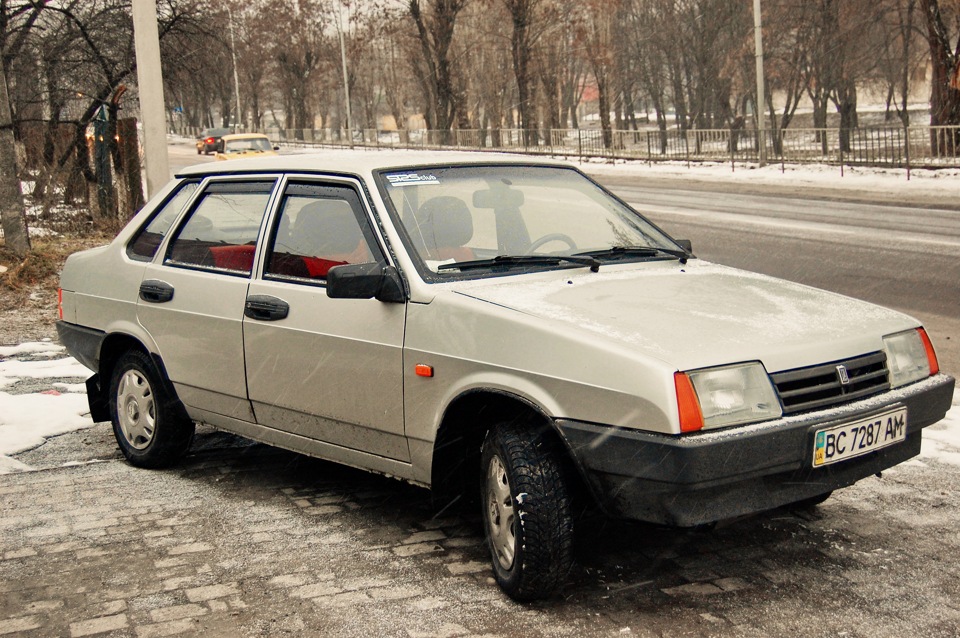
486 323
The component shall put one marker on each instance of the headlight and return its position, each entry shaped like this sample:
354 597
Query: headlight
910 357
733 395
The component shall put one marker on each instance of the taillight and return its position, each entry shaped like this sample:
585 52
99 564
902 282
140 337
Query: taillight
688 406
931 354
60 304
209 140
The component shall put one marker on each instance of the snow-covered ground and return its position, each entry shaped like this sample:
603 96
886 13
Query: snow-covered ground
931 183
42 395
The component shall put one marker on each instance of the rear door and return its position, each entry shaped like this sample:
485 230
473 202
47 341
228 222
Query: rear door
192 298
325 369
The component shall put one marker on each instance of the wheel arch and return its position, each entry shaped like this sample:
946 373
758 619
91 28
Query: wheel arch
455 470
113 347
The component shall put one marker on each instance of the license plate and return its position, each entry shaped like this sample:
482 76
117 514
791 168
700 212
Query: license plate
849 440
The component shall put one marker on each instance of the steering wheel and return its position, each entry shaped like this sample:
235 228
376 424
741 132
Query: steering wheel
549 237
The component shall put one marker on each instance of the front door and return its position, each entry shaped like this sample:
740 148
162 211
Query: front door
320 368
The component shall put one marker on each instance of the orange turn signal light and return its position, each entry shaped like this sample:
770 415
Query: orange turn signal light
60 304
688 406
931 354
423 370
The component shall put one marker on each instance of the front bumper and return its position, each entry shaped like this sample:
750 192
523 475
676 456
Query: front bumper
699 478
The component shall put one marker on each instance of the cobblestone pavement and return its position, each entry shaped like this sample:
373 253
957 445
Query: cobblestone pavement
246 540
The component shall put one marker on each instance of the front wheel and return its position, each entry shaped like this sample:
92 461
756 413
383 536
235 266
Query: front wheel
151 427
526 507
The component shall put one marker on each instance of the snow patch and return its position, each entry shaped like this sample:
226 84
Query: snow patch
941 441
30 347
27 420
12 371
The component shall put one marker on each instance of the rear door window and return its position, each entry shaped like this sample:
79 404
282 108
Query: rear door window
222 230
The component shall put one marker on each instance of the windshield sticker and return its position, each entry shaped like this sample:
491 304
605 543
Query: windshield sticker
411 179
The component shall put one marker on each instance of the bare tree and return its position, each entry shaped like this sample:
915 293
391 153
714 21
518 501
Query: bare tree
943 30
900 55
435 22
12 212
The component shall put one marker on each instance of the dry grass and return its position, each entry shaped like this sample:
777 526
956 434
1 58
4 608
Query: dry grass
28 287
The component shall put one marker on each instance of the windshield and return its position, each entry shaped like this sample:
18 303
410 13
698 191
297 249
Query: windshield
248 144
465 214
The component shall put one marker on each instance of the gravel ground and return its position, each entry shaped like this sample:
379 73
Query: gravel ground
27 315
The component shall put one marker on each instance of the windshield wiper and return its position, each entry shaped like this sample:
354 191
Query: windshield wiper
617 252
523 260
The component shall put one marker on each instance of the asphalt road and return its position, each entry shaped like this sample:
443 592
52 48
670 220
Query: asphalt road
899 254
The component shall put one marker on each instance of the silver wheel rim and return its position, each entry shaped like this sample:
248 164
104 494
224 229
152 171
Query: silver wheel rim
136 409
501 514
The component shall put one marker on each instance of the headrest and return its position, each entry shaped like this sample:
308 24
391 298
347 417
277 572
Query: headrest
501 197
327 227
445 222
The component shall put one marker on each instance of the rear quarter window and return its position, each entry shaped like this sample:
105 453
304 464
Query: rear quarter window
144 244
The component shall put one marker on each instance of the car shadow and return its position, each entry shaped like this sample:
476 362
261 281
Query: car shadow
620 563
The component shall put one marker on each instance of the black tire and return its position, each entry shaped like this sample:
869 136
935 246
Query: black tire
151 427
811 502
526 509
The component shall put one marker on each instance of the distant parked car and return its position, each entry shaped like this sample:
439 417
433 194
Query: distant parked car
488 326
245 145
209 140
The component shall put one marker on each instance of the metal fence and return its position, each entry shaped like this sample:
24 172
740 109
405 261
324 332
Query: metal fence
893 146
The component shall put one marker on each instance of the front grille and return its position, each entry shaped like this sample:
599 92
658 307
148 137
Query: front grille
820 386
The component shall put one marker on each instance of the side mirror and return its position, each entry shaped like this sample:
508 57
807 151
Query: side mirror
365 281
686 244
276 148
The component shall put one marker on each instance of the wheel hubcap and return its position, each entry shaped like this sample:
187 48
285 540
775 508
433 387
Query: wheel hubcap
136 410
501 514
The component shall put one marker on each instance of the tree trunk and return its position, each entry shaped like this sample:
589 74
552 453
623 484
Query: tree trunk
944 84
12 212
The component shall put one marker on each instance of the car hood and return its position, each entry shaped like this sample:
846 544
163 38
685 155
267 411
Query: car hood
699 314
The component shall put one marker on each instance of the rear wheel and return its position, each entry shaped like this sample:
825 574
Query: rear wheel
151 427
526 507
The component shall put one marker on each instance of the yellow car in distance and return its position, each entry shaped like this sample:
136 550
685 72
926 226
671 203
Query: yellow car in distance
245 145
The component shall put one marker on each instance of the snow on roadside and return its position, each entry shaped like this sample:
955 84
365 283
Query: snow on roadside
941 182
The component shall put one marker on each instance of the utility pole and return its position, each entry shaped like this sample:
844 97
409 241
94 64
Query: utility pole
236 82
761 94
346 81
146 36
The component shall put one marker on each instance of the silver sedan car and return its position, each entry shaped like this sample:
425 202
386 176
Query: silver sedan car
498 329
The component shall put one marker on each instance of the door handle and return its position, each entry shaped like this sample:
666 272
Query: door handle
266 308
156 291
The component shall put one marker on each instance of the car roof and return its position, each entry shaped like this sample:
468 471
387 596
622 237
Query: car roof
363 162
244 136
